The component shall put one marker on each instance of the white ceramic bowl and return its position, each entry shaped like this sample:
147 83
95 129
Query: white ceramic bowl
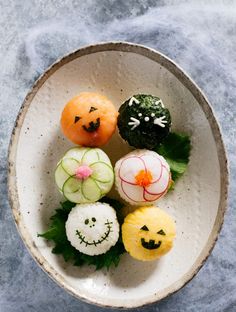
198 202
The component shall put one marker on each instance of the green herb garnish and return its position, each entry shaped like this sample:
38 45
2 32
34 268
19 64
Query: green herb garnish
176 150
57 233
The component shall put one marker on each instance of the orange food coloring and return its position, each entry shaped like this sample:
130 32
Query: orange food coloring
89 119
143 178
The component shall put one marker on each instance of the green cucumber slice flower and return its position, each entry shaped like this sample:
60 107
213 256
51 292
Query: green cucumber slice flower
92 187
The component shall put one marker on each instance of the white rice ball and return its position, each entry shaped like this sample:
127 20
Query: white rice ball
142 177
92 228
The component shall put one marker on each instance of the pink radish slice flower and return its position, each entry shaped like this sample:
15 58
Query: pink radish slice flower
142 177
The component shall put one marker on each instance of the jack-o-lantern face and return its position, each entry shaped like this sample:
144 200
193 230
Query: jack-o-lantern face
148 233
151 243
93 125
89 119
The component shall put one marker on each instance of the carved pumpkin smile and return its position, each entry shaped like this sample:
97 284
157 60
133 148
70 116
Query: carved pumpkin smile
89 119
148 233
151 244
93 125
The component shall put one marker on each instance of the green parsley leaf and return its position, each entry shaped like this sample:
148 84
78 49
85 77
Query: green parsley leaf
176 150
57 233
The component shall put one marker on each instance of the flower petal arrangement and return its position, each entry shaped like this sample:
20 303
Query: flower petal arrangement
84 175
142 177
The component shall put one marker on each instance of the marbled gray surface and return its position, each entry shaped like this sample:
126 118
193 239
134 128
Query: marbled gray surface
200 36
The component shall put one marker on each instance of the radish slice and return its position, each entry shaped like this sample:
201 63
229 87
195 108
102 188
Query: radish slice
142 177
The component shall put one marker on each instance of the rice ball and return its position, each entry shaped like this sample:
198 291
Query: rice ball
142 177
148 233
143 121
92 228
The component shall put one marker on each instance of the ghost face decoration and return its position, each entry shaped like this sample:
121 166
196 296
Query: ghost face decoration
148 233
89 119
92 228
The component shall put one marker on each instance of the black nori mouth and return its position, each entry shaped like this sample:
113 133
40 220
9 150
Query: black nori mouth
150 244
102 239
93 126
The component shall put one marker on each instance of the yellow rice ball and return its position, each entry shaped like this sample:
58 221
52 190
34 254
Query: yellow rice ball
148 233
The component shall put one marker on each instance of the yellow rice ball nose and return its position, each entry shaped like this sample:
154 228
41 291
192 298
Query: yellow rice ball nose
148 233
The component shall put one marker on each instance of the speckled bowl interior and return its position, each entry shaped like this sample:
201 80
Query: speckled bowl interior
197 204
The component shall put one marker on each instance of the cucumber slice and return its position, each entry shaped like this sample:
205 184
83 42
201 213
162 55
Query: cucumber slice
105 187
102 156
76 197
90 190
72 190
76 153
60 176
70 165
72 185
93 155
102 172
90 156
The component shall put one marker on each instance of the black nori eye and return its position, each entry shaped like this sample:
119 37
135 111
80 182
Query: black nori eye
161 232
94 219
92 108
86 221
77 118
144 228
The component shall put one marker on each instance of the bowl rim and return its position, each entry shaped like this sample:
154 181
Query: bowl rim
180 74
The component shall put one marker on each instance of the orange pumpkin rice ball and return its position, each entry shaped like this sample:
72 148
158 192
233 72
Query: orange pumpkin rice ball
89 119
